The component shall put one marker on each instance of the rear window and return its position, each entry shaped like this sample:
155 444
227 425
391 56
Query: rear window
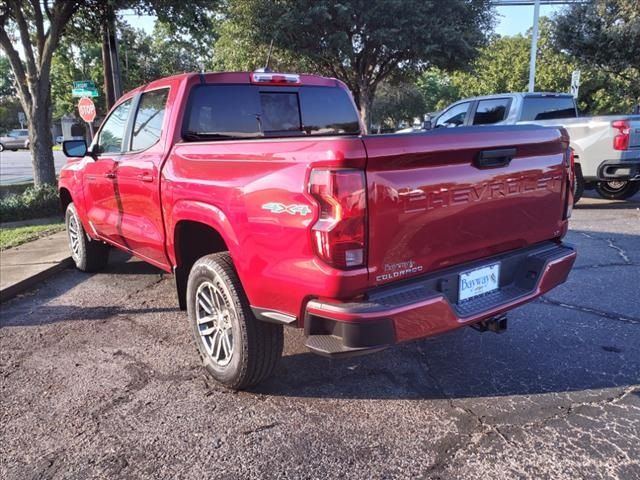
248 111
491 111
548 108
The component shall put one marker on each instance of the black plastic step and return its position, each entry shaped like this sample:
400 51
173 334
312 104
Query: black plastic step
332 346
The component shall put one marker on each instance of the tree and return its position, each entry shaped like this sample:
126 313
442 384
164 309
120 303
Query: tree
39 25
363 42
604 35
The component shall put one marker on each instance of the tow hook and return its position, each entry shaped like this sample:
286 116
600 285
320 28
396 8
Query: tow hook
497 324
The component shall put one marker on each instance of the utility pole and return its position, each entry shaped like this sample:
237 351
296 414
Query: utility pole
536 24
110 61
534 47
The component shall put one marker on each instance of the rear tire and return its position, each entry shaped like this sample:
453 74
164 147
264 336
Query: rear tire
618 189
88 255
578 187
236 349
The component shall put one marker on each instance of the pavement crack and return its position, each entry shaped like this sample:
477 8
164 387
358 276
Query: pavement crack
620 251
602 313
605 265
261 428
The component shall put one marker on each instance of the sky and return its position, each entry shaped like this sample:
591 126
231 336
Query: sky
510 20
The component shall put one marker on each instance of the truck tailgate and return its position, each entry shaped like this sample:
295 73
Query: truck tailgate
634 131
431 205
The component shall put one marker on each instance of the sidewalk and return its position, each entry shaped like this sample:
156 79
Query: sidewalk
26 265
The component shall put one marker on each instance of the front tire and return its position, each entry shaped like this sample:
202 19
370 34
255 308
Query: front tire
617 189
236 349
88 255
1 147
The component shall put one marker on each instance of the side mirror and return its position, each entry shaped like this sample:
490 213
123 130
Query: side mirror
426 125
74 148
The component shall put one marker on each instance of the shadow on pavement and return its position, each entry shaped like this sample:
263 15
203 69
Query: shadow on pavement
440 369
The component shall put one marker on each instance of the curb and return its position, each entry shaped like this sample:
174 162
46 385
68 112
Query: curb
19 287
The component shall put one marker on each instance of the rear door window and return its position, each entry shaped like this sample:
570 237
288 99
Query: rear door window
455 116
548 108
491 111
248 111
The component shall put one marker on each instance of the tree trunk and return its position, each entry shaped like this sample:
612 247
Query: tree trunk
40 139
365 101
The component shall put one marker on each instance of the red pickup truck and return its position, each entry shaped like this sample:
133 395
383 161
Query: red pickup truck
259 192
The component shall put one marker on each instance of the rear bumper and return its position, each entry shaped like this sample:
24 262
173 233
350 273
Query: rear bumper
623 169
428 305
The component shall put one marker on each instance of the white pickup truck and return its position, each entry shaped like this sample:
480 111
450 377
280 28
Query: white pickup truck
607 148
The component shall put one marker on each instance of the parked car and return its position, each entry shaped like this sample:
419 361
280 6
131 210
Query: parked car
607 148
259 192
15 139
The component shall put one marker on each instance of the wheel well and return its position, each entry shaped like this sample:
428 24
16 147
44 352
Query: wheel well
193 240
65 199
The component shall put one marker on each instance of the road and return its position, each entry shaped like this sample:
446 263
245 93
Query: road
15 167
100 379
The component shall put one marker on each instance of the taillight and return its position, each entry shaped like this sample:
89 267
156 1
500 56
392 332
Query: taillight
621 141
571 184
339 234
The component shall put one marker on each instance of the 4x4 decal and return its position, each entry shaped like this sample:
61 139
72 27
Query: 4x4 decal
292 209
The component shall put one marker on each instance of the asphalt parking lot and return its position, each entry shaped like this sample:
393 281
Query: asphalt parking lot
100 379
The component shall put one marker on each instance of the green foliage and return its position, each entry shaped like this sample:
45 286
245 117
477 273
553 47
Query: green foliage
34 202
9 108
437 90
7 80
503 66
236 51
71 63
605 33
604 37
396 103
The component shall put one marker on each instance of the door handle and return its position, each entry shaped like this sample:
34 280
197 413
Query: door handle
494 158
145 177
110 174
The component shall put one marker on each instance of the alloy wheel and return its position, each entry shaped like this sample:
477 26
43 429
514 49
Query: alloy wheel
74 237
214 315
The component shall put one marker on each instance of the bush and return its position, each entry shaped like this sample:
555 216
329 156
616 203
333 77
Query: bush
34 202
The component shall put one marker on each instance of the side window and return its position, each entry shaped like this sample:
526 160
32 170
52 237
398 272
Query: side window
113 131
491 111
148 124
454 117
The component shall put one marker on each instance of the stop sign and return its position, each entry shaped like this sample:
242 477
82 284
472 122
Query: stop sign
87 109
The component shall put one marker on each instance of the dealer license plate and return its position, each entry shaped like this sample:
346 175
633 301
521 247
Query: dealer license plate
478 282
